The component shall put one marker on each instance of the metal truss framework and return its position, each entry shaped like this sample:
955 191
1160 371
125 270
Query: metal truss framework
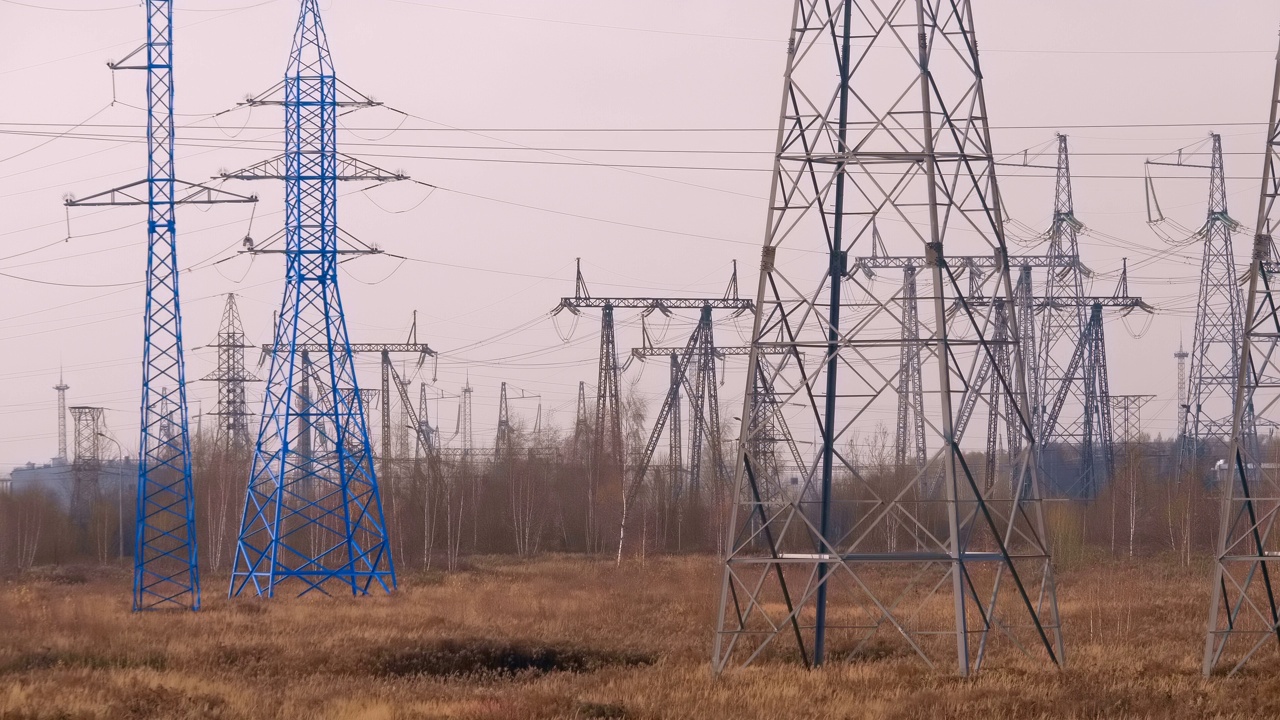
62 387
1215 348
693 368
313 511
581 425
502 439
166 567
1063 332
1089 364
694 378
1126 412
607 463
1243 613
1088 373
86 469
1052 324
389 376
232 411
895 137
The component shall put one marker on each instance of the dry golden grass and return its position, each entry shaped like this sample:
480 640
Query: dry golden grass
637 640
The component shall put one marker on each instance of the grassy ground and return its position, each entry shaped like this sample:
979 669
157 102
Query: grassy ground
630 642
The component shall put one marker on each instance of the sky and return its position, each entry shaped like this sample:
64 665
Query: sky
635 136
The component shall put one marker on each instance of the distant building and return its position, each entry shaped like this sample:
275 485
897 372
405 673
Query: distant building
57 479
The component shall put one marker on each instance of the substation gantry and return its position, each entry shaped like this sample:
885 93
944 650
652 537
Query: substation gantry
607 462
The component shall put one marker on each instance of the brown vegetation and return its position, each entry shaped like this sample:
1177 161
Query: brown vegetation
568 637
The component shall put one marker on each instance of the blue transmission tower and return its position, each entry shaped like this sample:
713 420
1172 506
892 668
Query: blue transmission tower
313 513
166 572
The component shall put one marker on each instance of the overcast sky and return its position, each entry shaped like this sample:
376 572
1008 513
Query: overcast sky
516 109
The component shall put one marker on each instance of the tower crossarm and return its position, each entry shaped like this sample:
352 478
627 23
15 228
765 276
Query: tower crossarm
420 348
869 264
574 304
720 352
185 193
347 168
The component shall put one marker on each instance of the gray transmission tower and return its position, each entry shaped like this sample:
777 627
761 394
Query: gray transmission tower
233 409
1243 613
1215 347
911 394
884 117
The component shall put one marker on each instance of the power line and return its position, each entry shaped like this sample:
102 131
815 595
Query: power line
582 129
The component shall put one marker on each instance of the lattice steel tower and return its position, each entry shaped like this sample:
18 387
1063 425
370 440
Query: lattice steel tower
313 512
884 117
1243 613
911 394
62 388
166 571
87 468
1215 348
232 411
1181 356
1060 325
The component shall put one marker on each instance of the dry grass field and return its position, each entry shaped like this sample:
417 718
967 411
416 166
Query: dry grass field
597 641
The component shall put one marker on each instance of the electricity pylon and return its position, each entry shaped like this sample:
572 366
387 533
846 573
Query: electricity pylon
86 469
1243 613
1061 323
313 510
1086 373
232 410
883 117
502 439
166 568
911 395
1089 366
910 446
581 425
464 420
1215 346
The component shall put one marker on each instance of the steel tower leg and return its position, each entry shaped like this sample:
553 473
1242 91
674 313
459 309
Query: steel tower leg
1243 612
313 516
899 128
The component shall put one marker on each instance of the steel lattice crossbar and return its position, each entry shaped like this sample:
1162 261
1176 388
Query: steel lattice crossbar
847 552
313 511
